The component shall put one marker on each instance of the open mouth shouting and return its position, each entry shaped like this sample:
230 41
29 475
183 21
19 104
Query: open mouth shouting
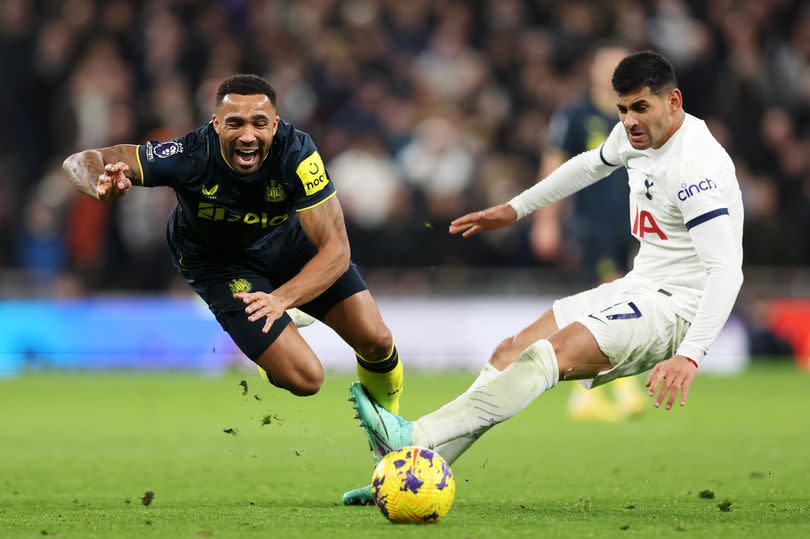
246 158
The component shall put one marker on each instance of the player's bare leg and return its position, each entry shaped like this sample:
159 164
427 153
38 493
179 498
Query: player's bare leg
569 354
290 363
578 354
584 404
456 443
509 349
504 355
358 321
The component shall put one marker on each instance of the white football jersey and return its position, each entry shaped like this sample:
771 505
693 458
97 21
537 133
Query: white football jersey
686 182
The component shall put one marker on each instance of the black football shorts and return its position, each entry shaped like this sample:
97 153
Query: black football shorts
261 270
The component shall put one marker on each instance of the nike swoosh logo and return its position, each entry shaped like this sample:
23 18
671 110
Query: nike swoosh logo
377 411
382 447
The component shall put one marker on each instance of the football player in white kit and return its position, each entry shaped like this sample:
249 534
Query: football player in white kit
685 210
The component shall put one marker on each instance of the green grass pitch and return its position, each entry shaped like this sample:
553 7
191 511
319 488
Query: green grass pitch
79 451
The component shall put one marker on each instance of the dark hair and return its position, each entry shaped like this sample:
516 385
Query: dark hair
642 69
246 85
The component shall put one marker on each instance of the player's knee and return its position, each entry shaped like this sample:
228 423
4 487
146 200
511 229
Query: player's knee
305 388
376 343
306 383
302 377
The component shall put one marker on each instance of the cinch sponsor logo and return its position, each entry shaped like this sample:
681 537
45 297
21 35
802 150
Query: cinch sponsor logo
212 212
688 191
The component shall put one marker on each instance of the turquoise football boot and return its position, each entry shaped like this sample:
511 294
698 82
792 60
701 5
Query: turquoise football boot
385 431
359 496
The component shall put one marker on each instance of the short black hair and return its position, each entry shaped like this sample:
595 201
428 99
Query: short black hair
642 69
246 85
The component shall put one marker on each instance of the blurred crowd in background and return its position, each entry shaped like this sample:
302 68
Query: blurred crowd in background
422 109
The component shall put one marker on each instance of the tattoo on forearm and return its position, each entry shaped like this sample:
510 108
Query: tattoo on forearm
84 171
84 168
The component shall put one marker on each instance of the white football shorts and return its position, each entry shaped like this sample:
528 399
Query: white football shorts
635 326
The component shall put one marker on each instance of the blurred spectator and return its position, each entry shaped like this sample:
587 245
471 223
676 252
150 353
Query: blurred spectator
449 69
439 163
374 198
100 82
418 102
41 247
372 193
595 220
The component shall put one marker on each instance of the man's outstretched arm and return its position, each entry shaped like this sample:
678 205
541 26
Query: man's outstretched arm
106 173
575 174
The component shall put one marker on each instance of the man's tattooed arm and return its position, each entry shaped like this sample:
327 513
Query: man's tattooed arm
97 173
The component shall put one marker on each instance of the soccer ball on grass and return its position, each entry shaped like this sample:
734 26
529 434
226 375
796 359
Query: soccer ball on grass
413 484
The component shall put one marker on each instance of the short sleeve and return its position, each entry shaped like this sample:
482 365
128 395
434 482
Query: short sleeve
167 163
312 184
611 150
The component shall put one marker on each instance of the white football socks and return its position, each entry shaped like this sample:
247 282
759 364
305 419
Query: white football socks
488 372
474 412
453 449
